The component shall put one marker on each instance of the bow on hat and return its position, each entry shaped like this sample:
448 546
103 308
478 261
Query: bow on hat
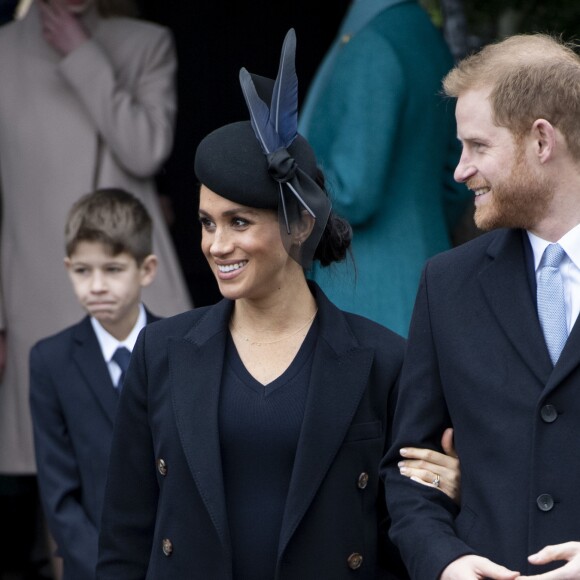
276 128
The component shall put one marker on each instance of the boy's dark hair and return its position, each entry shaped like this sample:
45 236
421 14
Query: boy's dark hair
114 218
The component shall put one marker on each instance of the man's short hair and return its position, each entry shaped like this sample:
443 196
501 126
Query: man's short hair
530 76
114 218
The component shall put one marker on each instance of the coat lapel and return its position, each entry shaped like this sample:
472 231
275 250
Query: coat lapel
88 357
195 363
505 284
339 378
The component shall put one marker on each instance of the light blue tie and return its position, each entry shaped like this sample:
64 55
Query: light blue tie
122 356
551 305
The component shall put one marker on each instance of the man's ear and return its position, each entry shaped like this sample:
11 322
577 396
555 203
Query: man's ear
148 269
67 263
544 138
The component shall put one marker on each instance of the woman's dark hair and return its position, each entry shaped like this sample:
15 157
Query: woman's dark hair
336 238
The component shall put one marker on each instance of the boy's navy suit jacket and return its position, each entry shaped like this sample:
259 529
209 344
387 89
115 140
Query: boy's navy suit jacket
73 404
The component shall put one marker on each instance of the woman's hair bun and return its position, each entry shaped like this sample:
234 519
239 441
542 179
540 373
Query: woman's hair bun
335 241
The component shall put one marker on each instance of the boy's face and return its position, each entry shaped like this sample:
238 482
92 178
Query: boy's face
109 287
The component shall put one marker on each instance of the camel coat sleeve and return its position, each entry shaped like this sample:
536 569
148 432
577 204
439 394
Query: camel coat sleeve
136 122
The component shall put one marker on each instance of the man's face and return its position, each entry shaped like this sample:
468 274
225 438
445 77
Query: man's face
509 191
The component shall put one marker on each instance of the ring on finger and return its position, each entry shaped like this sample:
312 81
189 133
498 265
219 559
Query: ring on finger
437 481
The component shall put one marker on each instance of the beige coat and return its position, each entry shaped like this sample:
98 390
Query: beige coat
102 116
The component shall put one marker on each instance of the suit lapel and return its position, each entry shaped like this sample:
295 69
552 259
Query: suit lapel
339 378
505 284
195 364
88 357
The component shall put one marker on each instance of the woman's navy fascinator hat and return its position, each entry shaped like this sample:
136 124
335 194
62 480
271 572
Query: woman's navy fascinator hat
264 163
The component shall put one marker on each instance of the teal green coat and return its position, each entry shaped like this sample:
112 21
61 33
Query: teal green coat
386 142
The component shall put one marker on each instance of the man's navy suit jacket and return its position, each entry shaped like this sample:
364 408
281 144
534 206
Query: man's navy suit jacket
477 360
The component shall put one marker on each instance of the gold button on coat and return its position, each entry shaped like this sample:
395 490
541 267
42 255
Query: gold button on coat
363 480
167 547
162 466
354 561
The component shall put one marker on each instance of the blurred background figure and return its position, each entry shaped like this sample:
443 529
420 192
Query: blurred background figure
386 142
87 100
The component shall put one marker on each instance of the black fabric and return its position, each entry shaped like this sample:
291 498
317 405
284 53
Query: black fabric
259 431
169 410
231 163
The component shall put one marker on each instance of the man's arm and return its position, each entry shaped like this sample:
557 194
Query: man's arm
421 515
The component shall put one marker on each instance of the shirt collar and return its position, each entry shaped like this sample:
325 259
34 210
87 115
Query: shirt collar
570 242
109 343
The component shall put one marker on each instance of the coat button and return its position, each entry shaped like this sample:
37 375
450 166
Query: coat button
545 502
162 466
167 547
549 413
354 561
363 480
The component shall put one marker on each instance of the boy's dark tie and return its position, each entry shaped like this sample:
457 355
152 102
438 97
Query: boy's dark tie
122 356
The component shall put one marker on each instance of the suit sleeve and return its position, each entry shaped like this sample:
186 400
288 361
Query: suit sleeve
58 477
135 122
132 492
360 108
421 515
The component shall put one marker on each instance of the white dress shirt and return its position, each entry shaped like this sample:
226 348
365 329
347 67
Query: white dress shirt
109 343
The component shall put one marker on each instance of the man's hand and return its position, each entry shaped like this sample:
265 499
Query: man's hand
61 29
434 469
568 552
476 568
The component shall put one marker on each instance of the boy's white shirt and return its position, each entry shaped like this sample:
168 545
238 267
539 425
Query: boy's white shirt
109 343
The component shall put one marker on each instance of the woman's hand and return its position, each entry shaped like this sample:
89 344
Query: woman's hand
60 28
435 469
